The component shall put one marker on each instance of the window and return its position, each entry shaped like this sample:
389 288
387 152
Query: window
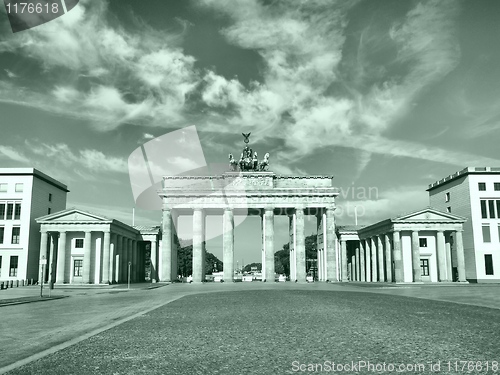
486 233
491 206
50 197
79 243
424 267
3 188
0 266
481 186
496 186
488 264
2 211
15 235
19 188
447 197
13 265
78 267
48 211
10 211
17 211
2 232
448 209
484 212
422 242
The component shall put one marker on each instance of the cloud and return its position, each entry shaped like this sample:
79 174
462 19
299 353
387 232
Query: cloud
12 154
311 92
112 75
311 96
10 74
89 159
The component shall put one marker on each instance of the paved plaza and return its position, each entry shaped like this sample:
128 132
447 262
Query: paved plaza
254 327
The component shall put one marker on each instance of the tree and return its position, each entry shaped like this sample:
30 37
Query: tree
282 257
248 267
185 261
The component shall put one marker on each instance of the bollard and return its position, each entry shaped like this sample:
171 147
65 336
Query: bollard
17 283
31 282
11 283
1 286
22 282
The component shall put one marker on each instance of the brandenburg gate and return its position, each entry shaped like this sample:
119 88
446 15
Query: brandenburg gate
249 189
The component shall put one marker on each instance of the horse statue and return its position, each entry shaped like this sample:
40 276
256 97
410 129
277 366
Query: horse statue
255 161
264 163
232 163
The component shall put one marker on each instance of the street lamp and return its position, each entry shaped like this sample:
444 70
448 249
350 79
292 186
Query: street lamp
355 215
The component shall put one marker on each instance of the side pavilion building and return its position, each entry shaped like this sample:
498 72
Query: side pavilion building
85 248
423 246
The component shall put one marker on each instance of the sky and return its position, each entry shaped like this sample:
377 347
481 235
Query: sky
387 96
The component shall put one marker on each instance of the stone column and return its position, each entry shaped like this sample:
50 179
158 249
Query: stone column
175 217
362 271
269 242
203 250
415 257
301 245
166 246
459 243
398 257
441 256
154 262
123 260
105 257
228 244
388 258
52 254
87 253
329 246
380 247
116 260
321 249
343 247
198 264
449 269
353 268
367 245
61 258
374 259
291 246
358 267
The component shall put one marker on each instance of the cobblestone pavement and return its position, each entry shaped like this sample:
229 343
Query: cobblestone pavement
33 328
